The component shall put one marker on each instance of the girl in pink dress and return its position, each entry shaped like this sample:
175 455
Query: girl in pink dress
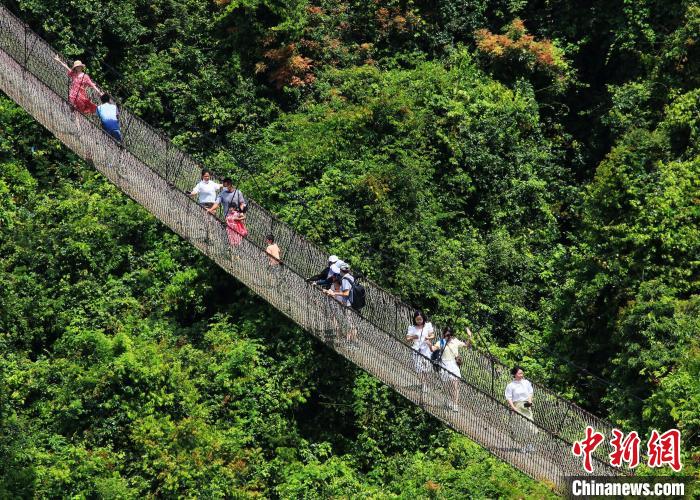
235 226
79 83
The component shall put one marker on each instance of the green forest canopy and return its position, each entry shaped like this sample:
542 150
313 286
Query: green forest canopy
551 158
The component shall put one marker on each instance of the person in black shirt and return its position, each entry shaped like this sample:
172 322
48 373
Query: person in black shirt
323 278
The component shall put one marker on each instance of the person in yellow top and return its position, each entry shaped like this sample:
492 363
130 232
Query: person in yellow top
449 364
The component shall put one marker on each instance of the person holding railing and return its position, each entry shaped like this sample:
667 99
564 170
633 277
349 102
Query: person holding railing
235 225
420 335
341 291
79 83
335 292
347 281
324 278
109 116
447 349
206 189
519 394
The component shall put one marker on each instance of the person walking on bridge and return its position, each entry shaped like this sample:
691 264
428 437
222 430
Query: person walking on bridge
340 290
77 93
346 291
235 225
227 196
206 189
274 262
450 361
273 251
420 335
519 394
109 116
79 83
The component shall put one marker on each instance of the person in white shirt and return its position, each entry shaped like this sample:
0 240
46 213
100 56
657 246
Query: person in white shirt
206 189
343 294
450 361
420 335
519 396
109 116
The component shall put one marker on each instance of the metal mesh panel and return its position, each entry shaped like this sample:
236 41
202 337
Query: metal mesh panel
155 174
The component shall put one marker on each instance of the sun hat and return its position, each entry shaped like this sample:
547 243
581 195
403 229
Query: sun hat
77 63
333 259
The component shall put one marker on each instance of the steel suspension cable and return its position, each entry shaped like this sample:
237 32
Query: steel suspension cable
377 351
216 143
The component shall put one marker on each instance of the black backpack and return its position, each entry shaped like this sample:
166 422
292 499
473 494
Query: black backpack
436 357
358 295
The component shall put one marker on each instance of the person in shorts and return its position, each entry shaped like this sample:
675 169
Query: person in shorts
449 363
273 252
340 290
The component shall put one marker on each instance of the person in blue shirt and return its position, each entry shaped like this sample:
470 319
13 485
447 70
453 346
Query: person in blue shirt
228 196
109 115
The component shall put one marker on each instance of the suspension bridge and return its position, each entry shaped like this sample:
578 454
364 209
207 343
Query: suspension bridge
155 173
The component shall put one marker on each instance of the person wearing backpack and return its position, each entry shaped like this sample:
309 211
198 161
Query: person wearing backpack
345 296
446 353
352 290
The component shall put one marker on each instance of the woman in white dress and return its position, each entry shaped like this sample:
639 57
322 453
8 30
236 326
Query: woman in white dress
420 335
450 361
519 396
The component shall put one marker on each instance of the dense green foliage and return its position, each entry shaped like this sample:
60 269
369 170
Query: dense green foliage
537 179
132 367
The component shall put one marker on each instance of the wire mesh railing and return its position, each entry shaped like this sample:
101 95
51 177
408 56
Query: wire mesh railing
155 173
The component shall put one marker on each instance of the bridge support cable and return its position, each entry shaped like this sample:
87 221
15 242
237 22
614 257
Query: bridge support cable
155 174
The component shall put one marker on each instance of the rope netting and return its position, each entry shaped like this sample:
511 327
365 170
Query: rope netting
156 174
